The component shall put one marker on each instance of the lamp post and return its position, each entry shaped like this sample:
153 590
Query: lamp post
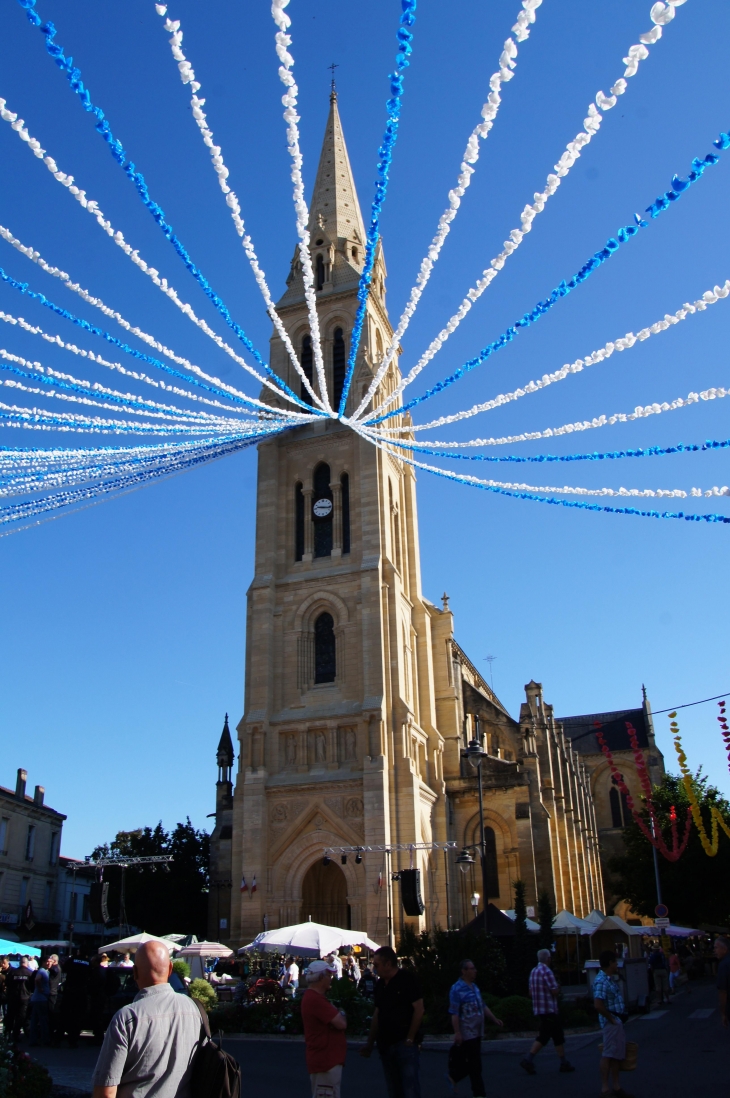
476 756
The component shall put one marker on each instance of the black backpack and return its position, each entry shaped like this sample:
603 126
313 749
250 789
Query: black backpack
216 1074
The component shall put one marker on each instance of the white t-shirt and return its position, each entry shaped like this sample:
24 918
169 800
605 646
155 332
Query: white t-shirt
338 965
293 972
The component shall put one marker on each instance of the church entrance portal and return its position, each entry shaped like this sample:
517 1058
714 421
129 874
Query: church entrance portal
324 895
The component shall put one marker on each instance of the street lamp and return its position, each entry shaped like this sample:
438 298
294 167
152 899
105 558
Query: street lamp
465 861
476 756
474 901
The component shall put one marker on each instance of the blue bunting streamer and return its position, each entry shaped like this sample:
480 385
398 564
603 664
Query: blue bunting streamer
679 186
576 503
612 455
385 153
14 512
73 75
23 288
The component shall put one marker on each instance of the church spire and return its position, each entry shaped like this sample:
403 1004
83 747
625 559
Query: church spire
224 754
334 208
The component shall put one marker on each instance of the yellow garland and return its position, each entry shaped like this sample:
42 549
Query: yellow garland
718 820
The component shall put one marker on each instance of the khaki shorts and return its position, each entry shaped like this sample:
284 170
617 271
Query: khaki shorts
614 1041
326 1084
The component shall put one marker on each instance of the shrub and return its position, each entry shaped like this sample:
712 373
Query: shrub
516 1012
204 993
181 968
21 1077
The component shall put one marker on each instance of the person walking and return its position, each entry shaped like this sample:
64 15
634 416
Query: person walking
290 979
468 1012
74 1008
395 1025
324 1032
150 1045
660 974
609 1003
544 990
54 983
721 949
4 970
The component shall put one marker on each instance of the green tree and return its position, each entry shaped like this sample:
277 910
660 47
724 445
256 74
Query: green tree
696 888
161 899
523 944
545 915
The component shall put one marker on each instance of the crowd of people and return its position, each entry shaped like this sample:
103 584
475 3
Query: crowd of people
153 1040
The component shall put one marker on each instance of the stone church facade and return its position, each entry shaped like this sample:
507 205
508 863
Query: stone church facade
358 699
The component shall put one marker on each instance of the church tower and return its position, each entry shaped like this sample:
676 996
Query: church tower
339 745
359 703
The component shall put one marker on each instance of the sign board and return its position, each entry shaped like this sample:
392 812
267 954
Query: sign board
662 911
661 923
7 918
530 912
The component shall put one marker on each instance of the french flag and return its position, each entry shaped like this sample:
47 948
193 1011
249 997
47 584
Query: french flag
253 884
244 886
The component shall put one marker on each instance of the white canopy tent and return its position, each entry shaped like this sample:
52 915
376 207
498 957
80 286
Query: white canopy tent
595 918
308 940
532 926
134 941
567 923
196 953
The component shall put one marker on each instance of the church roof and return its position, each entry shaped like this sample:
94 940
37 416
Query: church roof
225 746
335 206
613 726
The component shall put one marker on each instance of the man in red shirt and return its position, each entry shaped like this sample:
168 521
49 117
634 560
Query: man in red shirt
324 1032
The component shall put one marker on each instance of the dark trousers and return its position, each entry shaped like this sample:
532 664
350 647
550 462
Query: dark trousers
39 1023
400 1066
17 1018
466 1059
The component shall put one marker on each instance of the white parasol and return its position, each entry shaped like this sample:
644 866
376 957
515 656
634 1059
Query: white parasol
134 941
309 940
206 949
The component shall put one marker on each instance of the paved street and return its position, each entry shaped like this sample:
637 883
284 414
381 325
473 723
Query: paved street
683 1051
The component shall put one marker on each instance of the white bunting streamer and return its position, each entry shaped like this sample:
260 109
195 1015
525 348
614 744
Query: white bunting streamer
283 41
561 490
45 420
92 207
507 64
187 75
56 340
660 15
95 389
603 353
639 412
56 272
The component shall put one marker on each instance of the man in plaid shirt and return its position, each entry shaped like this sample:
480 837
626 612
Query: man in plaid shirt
544 990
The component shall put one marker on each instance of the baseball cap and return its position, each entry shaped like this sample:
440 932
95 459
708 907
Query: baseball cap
317 967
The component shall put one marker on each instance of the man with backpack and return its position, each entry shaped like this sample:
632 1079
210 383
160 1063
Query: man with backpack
151 1044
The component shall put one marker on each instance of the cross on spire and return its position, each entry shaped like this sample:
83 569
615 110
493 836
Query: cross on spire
332 68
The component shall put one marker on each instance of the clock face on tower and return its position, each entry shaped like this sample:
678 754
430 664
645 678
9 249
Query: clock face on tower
322 508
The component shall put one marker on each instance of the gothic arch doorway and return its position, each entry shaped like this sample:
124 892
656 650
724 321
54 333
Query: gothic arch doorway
324 895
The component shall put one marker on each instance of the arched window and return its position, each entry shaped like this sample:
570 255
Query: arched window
325 659
319 272
338 365
619 808
490 843
307 363
345 497
298 523
322 522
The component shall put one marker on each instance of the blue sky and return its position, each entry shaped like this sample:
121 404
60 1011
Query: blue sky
124 625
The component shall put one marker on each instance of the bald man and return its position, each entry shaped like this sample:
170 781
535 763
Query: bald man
150 1044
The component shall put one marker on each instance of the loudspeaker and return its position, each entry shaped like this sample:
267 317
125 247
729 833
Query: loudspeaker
99 902
410 891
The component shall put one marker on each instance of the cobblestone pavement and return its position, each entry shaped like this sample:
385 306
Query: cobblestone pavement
684 1052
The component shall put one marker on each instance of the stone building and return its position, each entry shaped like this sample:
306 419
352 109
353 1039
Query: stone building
30 846
358 700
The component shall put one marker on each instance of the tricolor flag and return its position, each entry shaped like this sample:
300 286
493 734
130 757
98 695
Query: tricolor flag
244 886
253 884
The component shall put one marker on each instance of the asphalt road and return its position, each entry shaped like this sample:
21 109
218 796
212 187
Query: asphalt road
684 1052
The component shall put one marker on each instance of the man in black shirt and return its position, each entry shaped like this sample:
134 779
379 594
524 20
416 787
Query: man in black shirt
20 988
396 1024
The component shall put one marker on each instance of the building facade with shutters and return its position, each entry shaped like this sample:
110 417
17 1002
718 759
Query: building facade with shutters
30 846
358 700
